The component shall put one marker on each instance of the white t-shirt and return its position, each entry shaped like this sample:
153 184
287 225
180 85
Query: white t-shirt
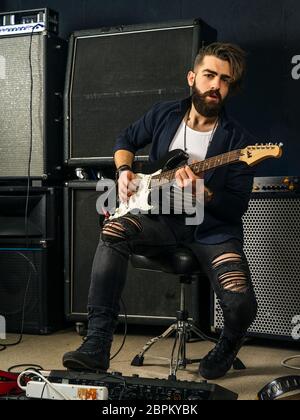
197 142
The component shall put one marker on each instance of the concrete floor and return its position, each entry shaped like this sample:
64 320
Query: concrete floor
262 361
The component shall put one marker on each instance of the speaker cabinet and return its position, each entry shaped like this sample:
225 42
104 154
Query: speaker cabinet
272 245
115 75
43 208
31 103
31 260
31 282
150 298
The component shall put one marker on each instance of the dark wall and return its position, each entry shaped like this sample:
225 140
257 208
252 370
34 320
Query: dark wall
269 30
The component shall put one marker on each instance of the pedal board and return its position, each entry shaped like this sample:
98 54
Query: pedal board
136 388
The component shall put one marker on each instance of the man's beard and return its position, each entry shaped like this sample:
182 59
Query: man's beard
207 109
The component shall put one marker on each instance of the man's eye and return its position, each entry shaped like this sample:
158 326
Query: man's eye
210 76
227 81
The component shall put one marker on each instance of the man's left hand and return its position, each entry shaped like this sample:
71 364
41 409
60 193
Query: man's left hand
186 177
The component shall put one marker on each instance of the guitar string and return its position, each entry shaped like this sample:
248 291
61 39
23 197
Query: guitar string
205 165
177 203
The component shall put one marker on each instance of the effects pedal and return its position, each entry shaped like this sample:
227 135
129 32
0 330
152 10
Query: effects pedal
56 391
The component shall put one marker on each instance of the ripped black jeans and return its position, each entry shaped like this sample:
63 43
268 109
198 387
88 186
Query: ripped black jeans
225 265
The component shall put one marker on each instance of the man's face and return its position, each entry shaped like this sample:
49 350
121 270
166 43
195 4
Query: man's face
210 83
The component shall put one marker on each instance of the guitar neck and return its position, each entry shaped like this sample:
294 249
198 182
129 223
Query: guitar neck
199 168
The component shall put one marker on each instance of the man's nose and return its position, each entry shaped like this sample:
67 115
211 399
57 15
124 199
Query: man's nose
216 84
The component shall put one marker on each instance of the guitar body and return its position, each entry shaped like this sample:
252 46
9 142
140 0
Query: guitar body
171 160
139 202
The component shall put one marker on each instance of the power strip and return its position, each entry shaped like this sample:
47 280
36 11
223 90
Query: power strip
42 390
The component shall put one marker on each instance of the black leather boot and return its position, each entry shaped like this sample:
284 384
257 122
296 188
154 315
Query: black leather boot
219 360
93 354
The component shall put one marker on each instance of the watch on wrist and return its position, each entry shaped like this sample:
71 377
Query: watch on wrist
121 169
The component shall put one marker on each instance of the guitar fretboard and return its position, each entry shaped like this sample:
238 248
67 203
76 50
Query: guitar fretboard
198 168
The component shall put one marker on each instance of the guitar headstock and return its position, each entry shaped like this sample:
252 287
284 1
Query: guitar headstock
252 155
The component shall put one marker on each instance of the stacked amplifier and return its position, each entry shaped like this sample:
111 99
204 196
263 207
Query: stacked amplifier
115 75
32 72
272 246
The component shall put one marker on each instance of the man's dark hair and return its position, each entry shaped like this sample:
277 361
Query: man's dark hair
228 52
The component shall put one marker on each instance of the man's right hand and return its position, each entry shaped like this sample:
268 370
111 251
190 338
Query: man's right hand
128 185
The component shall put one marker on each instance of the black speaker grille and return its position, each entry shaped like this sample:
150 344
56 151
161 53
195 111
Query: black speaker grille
85 233
15 80
150 297
272 245
18 279
117 77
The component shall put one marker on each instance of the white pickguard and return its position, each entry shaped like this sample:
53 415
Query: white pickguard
139 201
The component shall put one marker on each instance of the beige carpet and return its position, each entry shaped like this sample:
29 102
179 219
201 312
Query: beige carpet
263 362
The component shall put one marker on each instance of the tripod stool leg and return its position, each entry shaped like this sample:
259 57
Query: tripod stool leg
187 329
138 360
180 343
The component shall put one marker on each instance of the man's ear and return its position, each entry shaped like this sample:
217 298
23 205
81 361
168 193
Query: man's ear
191 78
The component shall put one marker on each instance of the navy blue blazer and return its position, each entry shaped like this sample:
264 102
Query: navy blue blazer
231 184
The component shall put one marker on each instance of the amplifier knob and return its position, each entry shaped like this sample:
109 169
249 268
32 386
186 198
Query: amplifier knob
292 187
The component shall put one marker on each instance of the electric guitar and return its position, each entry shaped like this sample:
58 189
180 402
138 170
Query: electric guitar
163 173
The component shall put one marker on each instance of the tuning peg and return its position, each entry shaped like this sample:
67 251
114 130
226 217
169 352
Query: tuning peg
280 145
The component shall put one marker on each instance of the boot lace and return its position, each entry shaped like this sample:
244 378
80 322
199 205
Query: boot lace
223 349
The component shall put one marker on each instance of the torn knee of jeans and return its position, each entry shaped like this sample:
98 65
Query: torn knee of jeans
114 229
133 221
226 258
234 281
122 229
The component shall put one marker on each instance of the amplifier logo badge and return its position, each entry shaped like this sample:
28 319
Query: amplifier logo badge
22 29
